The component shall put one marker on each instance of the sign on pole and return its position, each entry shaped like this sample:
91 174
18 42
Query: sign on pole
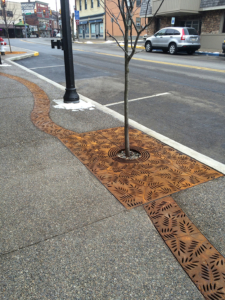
77 15
77 22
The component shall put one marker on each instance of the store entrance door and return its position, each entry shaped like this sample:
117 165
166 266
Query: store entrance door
97 30
84 28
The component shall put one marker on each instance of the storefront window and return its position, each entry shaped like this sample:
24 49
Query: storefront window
80 29
194 24
101 28
92 28
87 29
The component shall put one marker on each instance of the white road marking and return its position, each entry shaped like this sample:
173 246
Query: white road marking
137 99
186 150
47 67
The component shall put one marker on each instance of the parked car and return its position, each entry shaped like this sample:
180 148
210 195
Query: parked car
223 46
58 35
174 39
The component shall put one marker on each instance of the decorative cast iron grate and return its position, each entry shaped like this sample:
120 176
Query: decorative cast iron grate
202 262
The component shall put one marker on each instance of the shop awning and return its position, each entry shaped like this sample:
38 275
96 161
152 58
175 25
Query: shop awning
96 21
82 22
21 24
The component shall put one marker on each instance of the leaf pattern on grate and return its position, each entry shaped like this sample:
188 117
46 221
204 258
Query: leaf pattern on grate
201 261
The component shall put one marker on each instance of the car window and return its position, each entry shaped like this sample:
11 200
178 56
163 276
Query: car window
161 32
176 32
192 31
170 32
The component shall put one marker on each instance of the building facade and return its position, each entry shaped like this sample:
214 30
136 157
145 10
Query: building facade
206 16
96 20
13 16
38 15
92 19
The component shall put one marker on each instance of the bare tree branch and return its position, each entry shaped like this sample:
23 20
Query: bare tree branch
139 32
114 18
117 42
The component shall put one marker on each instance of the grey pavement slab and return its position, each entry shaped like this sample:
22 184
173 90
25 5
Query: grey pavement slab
16 125
46 191
12 89
204 204
121 257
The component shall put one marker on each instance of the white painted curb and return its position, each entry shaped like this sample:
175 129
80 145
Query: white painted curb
186 150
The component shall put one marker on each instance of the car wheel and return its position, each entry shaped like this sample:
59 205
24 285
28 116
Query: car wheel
148 47
172 48
190 52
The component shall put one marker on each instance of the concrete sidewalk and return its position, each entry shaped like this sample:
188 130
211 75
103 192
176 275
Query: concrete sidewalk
64 235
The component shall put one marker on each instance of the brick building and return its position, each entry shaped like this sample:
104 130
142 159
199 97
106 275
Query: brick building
39 15
206 16
95 20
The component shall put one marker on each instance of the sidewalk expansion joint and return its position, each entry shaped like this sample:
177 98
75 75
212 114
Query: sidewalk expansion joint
61 234
159 172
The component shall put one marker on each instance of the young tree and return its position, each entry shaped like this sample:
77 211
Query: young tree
10 15
127 11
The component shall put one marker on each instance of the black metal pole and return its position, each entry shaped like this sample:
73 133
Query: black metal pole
71 93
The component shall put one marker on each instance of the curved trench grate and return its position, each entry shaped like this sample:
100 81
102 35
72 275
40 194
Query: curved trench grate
162 171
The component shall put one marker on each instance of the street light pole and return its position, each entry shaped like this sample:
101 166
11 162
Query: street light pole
71 93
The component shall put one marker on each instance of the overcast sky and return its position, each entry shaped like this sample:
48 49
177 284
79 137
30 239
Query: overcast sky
52 3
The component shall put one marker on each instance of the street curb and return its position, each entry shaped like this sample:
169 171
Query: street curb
196 52
210 53
23 56
186 150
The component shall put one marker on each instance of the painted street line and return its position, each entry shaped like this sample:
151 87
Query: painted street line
137 99
47 67
165 63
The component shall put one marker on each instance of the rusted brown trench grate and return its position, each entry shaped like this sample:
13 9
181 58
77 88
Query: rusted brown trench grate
202 262
159 172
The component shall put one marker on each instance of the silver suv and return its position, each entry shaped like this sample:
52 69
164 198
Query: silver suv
174 39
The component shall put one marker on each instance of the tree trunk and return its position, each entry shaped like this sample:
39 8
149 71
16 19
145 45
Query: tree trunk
126 124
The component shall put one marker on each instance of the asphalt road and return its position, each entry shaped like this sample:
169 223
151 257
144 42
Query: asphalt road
191 113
